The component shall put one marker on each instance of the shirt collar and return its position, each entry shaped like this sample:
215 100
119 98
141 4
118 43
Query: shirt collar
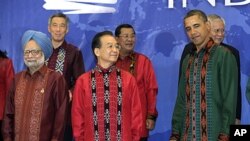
103 70
42 71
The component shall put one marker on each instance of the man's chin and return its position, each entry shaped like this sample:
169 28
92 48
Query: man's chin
59 39
29 65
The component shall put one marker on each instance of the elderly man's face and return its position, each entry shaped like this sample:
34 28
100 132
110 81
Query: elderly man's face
108 53
217 30
33 56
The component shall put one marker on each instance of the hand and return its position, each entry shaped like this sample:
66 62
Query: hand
150 124
70 96
237 121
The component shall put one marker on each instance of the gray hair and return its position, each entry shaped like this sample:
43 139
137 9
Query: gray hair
60 15
213 17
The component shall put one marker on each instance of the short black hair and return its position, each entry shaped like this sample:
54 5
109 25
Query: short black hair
60 15
96 41
3 54
197 12
118 28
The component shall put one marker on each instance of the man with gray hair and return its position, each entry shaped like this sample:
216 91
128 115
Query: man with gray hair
38 97
217 34
206 100
66 58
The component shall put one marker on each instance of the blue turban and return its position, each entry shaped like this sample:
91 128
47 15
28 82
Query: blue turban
41 39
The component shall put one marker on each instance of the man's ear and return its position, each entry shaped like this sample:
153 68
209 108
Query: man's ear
49 28
208 23
97 51
67 30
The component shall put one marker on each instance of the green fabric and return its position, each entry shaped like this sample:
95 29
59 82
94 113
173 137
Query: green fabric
248 90
221 95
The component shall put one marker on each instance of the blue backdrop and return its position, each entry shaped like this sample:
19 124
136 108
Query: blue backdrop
160 35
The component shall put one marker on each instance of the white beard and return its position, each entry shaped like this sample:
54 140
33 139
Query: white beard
35 63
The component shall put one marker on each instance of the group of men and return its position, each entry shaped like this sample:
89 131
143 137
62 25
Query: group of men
209 84
116 100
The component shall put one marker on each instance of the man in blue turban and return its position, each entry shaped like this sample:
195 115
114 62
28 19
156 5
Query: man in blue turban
38 97
41 39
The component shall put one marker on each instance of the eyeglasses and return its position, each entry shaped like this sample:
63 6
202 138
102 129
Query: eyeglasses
216 31
126 36
33 52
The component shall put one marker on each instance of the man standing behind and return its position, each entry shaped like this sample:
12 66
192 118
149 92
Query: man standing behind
106 104
206 101
66 58
141 67
218 34
38 97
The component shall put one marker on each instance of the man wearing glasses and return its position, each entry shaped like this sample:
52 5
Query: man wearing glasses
217 33
38 97
141 68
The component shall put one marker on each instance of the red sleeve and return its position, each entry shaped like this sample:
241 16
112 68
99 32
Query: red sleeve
8 121
77 113
6 76
152 88
136 113
9 74
62 103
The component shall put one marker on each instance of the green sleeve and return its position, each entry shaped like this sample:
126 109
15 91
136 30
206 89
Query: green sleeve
248 91
229 83
179 109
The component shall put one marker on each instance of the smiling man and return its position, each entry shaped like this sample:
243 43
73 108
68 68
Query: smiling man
207 91
218 35
106 104
142 69
66 58
38 97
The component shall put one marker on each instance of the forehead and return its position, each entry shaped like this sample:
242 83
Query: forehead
196 19
108 39
127 31
31 44
58 20
217 23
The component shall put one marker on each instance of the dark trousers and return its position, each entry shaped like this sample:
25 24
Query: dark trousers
144 139
68 134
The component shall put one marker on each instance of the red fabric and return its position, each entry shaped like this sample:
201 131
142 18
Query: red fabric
82 113
147 84
43 108
6 76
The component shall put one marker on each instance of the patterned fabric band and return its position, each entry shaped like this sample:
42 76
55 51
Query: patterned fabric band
106 103
132 64
194 76
59 61
31 120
